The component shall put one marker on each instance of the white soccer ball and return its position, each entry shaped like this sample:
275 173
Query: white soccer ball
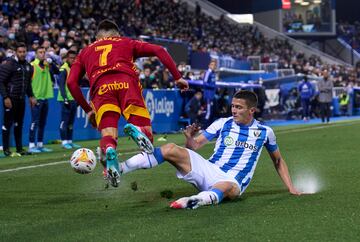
83 161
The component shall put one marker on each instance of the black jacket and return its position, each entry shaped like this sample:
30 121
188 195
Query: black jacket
15 79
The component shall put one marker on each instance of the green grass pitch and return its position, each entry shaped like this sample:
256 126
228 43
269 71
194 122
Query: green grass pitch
53 203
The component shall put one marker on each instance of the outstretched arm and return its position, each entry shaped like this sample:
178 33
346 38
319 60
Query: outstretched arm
76 73
282 170
193 142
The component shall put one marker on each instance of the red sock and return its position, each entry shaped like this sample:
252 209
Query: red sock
107 141
148 133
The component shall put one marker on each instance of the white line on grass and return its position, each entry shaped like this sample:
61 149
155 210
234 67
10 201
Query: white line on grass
51 164
337 124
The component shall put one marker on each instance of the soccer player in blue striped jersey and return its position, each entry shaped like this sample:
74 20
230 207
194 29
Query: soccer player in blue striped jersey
228 172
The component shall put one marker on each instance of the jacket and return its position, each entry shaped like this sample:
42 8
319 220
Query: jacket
15 79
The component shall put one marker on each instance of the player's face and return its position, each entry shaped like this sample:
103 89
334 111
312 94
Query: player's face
21 53
241 112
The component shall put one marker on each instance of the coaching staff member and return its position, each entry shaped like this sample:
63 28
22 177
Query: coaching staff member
15 84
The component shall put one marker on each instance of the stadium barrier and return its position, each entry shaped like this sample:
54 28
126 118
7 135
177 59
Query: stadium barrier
165 108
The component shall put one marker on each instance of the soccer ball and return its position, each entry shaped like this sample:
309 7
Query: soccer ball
83 161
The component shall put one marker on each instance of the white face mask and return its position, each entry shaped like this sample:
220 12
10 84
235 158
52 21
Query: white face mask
9 54
11 36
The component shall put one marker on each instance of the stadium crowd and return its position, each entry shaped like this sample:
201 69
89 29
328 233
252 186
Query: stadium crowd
62 26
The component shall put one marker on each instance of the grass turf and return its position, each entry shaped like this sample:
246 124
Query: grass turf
53 203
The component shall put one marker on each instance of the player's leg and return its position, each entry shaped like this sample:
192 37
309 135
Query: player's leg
108 143
219 191
140 138
215 195
134 110
175 155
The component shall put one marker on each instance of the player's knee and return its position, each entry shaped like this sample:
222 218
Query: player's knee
109 132
168 150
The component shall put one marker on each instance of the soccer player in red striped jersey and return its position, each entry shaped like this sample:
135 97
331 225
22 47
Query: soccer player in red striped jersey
115 88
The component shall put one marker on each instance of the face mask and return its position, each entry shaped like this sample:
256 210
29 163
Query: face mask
11 36
9 54
63 34
16 26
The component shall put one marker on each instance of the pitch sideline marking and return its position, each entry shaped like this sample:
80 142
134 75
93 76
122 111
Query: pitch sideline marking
135 152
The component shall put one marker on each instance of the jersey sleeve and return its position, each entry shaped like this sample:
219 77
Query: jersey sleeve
144 49
214 129
77 71
270 143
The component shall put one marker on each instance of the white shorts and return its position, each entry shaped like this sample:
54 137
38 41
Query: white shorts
204 174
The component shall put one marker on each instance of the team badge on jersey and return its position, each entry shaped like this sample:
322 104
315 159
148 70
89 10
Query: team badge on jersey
228 141
257 133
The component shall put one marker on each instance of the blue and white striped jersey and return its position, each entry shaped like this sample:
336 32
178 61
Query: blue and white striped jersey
238 147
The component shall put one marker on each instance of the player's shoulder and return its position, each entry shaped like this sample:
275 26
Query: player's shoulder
223 121
263 126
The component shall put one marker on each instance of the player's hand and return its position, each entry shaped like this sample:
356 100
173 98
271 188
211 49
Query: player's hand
32 101
92 118
182 84
295 192
191 130
7 103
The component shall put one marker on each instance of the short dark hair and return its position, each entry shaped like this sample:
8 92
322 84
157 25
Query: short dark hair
107 25
20 45
249 96
71 52
40 47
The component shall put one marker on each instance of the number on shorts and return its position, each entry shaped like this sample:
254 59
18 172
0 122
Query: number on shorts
105 51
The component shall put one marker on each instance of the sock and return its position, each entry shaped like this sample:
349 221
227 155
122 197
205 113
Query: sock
107 141
64 142
31 145
148 133
39 144
214 196
142 161
69 141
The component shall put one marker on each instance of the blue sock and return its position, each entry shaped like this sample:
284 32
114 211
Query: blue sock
158 155
219 194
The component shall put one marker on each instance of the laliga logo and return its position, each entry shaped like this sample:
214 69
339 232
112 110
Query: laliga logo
158 106
150 104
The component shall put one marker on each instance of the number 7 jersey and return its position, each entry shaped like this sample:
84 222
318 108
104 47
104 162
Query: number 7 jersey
110 56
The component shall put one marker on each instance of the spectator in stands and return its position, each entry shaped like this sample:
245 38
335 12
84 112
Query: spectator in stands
68 104
306 92
147 79
15 84
209 90
193 108
325 87
43 90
